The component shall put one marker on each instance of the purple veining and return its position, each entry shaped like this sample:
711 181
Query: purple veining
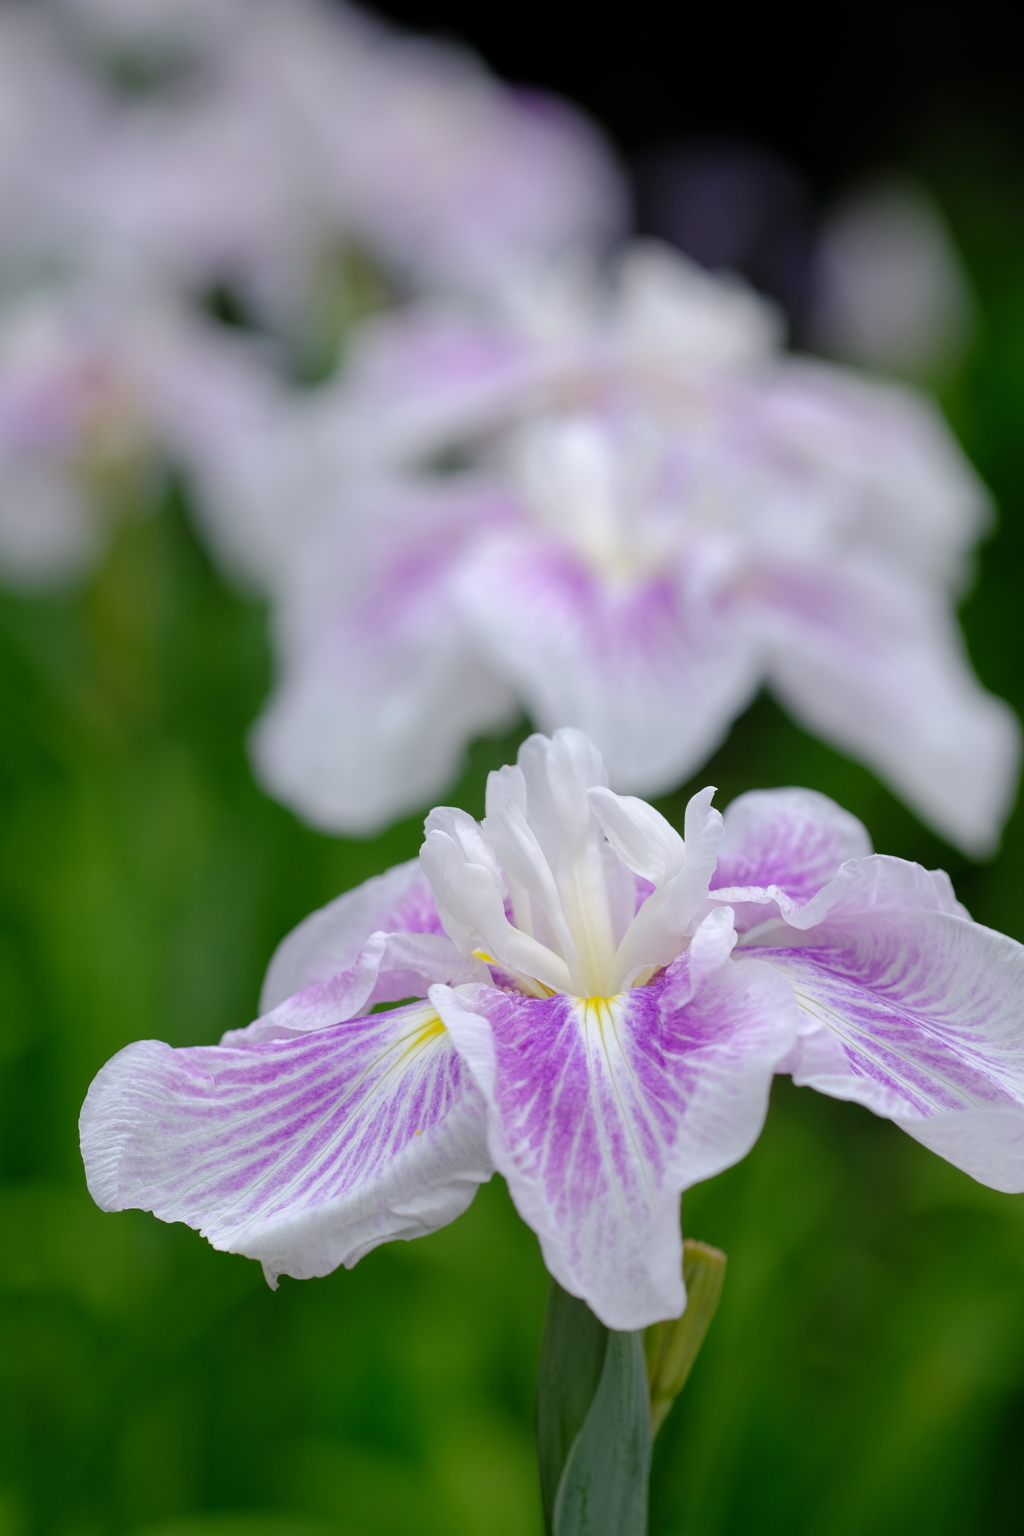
605 1003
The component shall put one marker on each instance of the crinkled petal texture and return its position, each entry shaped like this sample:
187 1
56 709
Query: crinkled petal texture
304 1154
382 684
908 1006
918 1016
601 1111
782 846
654 674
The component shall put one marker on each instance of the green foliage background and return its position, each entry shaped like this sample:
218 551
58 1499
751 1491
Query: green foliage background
865 1374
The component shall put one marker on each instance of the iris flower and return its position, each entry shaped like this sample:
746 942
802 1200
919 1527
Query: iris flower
101 385
571 993
286 128
649 515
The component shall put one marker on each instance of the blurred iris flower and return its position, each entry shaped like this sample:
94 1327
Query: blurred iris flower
625 509
571 993
164 168
101 387
273 131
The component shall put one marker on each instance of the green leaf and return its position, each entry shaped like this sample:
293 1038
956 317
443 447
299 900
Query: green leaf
593 1424
572 1356
603 1489
673 1346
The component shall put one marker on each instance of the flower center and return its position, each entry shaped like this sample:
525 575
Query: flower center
565 886
595 491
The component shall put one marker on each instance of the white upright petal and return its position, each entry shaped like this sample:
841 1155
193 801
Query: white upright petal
640 835
454 845
656 934
467 882
528 872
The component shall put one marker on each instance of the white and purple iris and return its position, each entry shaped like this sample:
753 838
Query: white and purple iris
599 1007
286 127
100 385
645 515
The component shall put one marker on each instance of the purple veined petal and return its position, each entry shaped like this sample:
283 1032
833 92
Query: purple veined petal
873 662
601 1111
917 1015
782 846
382 683
330 940
878 884
793 838
304 1154
653 683
390 968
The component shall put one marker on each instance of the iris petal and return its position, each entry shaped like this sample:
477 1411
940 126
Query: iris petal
302 1153
602 1110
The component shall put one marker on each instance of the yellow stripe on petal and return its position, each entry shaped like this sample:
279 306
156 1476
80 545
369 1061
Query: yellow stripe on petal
425 1025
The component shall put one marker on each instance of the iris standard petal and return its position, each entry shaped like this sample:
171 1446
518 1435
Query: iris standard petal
795 839
304 1154
917 1015
602 1110
330 939
779 848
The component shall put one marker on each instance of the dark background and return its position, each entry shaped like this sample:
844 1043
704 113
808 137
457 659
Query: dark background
836 90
